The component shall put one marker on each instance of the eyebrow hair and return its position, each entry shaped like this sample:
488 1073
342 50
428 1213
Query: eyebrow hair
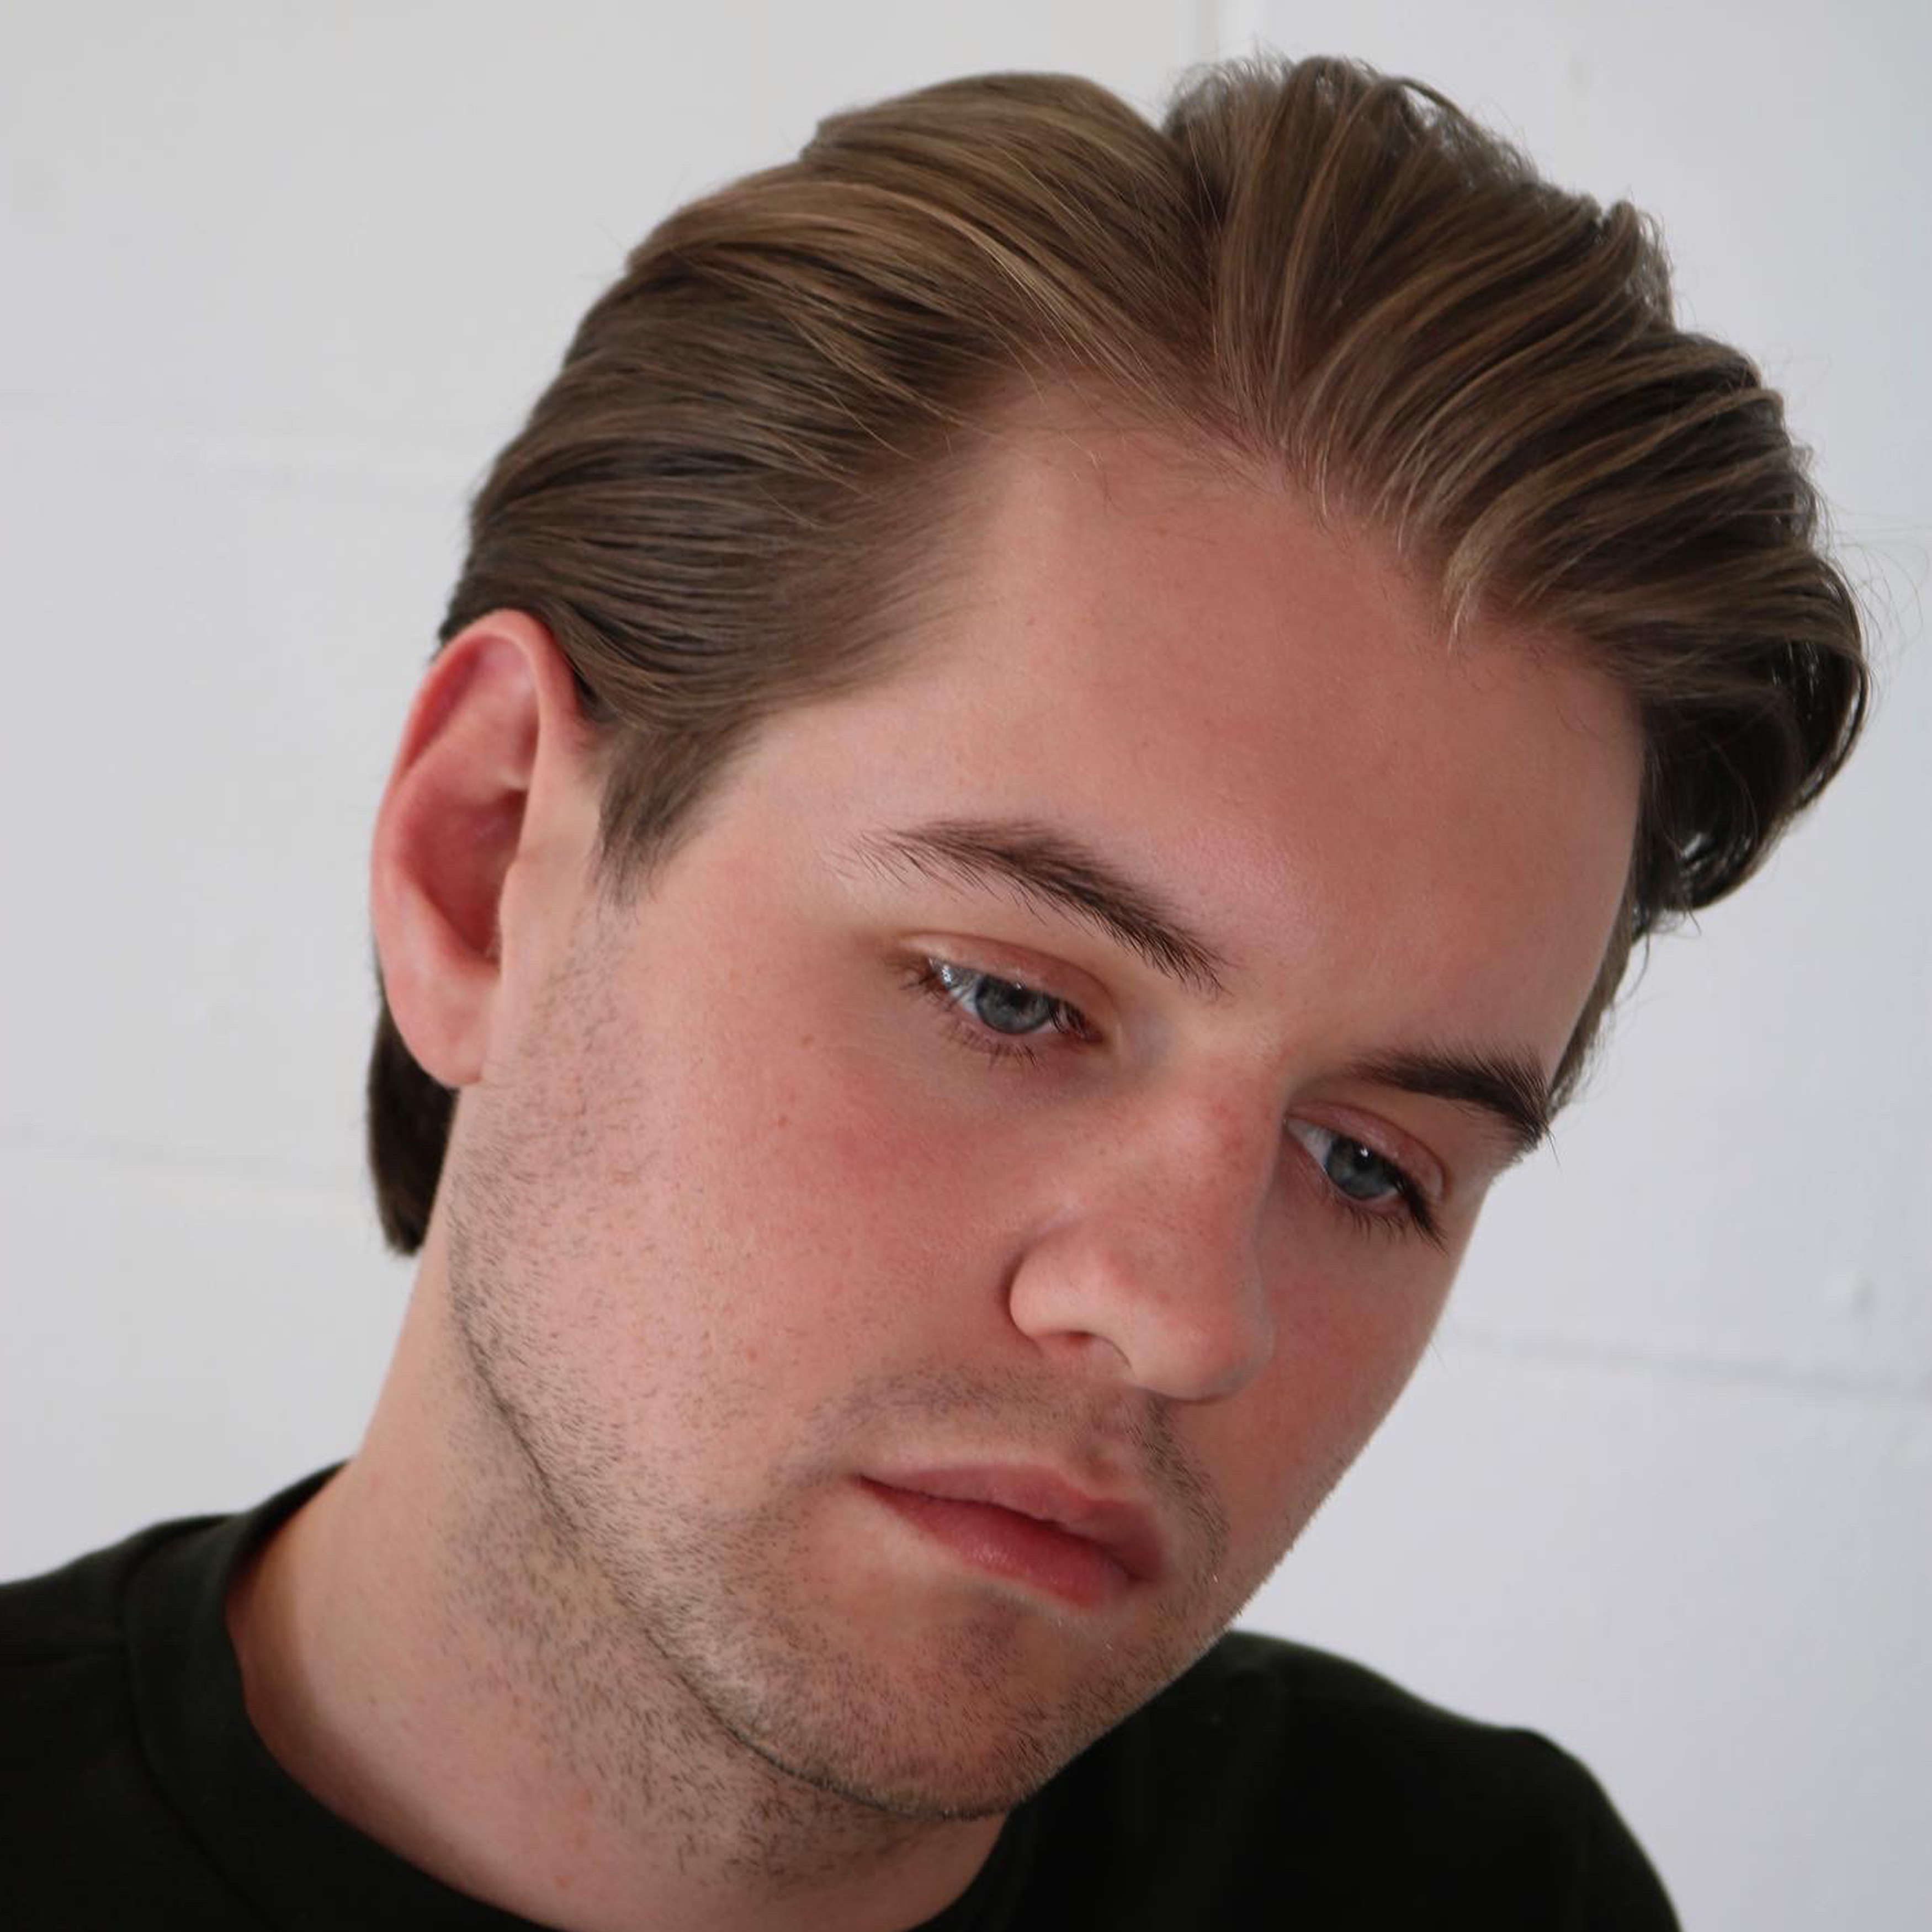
1509 1087
1049 869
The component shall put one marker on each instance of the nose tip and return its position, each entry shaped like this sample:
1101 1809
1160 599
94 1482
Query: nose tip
1174 1299
1151 1261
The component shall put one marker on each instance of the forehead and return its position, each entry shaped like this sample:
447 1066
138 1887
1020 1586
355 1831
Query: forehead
1264 717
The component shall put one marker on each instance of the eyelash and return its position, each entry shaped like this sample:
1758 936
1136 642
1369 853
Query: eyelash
1068 1019
1416 1216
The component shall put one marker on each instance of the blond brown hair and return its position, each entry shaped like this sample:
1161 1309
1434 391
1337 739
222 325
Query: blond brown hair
718 505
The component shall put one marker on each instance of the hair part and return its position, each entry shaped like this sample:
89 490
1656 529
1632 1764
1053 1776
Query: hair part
734 497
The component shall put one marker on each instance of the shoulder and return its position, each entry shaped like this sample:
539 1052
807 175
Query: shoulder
1300 1708
73 1619
93 1837
1318 1782
83 1609
1267 1694
75 1626
65 1694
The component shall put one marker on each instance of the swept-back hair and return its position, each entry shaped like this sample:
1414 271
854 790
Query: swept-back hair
720 504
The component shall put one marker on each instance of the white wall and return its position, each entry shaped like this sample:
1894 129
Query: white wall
1667 1484
275 282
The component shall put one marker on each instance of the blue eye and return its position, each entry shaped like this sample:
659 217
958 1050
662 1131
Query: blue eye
1004 1005
1368 1183
1359 1171
1002 1019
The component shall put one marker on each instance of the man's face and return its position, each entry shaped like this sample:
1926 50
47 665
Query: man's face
834 1224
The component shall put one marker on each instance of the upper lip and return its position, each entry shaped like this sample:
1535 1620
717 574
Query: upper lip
1127 1532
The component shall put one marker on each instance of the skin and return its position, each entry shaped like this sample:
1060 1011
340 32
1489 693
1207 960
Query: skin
599 1624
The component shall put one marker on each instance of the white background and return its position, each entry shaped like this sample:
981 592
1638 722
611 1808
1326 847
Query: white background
276 281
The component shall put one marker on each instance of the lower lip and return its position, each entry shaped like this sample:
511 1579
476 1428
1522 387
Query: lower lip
1006 1544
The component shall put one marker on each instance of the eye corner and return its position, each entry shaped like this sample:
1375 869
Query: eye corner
1399 1149
1415 1190
955 984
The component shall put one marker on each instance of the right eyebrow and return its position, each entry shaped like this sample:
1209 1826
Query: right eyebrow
1507 1087
1047 868
1054 869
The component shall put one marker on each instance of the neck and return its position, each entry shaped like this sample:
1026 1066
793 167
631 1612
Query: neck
420 1649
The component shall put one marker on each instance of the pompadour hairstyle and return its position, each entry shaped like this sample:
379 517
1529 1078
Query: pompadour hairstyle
720 504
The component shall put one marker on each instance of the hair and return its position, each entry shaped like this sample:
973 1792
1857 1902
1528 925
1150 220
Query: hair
725 503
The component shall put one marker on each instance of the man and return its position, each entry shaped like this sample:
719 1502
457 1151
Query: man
1051 746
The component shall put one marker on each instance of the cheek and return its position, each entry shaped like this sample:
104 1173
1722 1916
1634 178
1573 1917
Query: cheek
1344 1349
825 1185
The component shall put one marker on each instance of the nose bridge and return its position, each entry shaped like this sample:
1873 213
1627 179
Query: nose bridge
1218 1151
1157 1251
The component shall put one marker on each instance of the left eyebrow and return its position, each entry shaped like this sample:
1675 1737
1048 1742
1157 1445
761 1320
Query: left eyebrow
1509 1087
1049 869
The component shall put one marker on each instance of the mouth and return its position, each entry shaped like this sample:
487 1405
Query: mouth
1030 1526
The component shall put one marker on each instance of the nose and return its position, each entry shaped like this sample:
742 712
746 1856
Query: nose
1151 1267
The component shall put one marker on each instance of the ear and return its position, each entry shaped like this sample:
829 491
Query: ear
482 836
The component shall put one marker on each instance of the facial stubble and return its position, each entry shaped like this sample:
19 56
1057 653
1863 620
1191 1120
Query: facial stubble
676 1646
683 1660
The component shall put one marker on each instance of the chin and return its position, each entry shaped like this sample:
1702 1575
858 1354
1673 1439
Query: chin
930 1780
968 1735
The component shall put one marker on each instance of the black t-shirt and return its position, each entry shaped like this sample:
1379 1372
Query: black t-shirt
1270 1785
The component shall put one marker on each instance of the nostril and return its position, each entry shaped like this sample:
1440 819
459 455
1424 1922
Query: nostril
1146 1302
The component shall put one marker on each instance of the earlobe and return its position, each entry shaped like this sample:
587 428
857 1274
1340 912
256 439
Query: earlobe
489 746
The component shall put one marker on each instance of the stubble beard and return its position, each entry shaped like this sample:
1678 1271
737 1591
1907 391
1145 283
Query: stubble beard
683 1672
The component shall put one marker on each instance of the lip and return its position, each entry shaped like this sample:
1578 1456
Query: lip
1031 1524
